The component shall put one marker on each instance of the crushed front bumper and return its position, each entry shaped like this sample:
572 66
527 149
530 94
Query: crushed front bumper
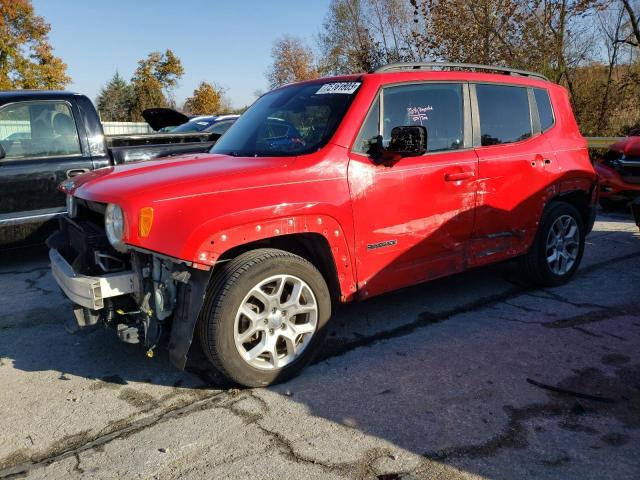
86 291
615 186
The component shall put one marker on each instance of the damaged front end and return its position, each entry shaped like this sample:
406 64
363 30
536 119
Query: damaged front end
139 294
619 171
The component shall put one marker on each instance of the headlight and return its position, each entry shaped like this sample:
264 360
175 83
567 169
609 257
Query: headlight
72 206
114 226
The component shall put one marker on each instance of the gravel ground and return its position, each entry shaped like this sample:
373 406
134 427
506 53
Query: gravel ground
474 376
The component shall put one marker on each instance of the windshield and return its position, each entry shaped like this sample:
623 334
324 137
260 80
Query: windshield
195 125
289 121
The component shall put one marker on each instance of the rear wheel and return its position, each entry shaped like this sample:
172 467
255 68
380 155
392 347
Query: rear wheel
557 250
264 317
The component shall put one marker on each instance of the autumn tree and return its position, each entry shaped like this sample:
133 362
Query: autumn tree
292 61
154 80
115 100
361 35
482 32
26 57
207 99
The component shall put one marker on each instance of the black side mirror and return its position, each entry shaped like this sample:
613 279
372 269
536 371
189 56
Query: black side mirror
2 152
407 141
410 141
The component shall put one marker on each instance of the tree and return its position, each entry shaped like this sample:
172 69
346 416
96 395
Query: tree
633 13
26 57
347 44
469 32
115 100
207 99
361 35
292 60
154 80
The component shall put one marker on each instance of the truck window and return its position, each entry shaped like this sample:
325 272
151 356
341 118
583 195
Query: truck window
436 106
544 108
504 114
38 129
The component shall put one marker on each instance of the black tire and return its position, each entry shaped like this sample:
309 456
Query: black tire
228 289
534 264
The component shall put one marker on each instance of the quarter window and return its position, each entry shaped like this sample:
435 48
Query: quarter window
38 129
369 130
544 108
504 114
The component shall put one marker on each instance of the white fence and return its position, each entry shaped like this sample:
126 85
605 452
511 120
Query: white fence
125 128
11 127
14 126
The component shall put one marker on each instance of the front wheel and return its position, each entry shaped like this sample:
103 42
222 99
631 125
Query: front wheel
264 317
557 250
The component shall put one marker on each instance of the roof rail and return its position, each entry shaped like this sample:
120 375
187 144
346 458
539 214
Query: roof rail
402 66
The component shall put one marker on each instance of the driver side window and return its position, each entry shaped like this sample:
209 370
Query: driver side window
38 129
436 106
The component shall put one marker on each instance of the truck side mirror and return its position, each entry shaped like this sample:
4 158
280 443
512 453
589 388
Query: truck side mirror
2 152
406 141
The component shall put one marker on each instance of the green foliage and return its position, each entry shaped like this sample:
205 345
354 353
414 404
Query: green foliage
115 100
154 80
26 57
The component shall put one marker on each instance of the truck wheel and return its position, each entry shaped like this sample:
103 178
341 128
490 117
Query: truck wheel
264 317
557 249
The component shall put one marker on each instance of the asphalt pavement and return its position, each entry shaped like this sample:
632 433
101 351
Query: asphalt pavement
474 376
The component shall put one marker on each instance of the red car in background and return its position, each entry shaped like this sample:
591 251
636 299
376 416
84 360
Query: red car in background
619 172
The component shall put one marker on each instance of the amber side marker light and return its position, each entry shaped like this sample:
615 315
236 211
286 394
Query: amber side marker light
145 221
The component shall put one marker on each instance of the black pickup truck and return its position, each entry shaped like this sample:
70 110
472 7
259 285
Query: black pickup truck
47 137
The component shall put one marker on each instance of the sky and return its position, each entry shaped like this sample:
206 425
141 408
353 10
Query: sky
221 41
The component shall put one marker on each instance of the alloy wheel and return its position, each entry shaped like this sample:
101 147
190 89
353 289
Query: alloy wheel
275 322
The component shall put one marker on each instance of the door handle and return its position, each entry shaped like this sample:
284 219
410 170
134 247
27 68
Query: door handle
454 177
76 171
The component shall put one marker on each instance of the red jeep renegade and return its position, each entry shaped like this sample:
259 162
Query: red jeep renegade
327 191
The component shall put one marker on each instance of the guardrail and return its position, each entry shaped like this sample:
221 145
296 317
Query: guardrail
602 142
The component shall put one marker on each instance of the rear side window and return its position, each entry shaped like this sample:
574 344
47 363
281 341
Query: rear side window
504 114
544 108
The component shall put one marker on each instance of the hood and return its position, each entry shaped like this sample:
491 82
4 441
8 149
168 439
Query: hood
159 118
184 176
630 146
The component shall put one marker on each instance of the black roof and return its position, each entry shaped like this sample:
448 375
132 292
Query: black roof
34 94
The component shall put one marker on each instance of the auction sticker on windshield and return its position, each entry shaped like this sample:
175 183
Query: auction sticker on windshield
338 87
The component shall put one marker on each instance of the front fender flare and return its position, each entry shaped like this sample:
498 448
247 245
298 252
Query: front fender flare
215 245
